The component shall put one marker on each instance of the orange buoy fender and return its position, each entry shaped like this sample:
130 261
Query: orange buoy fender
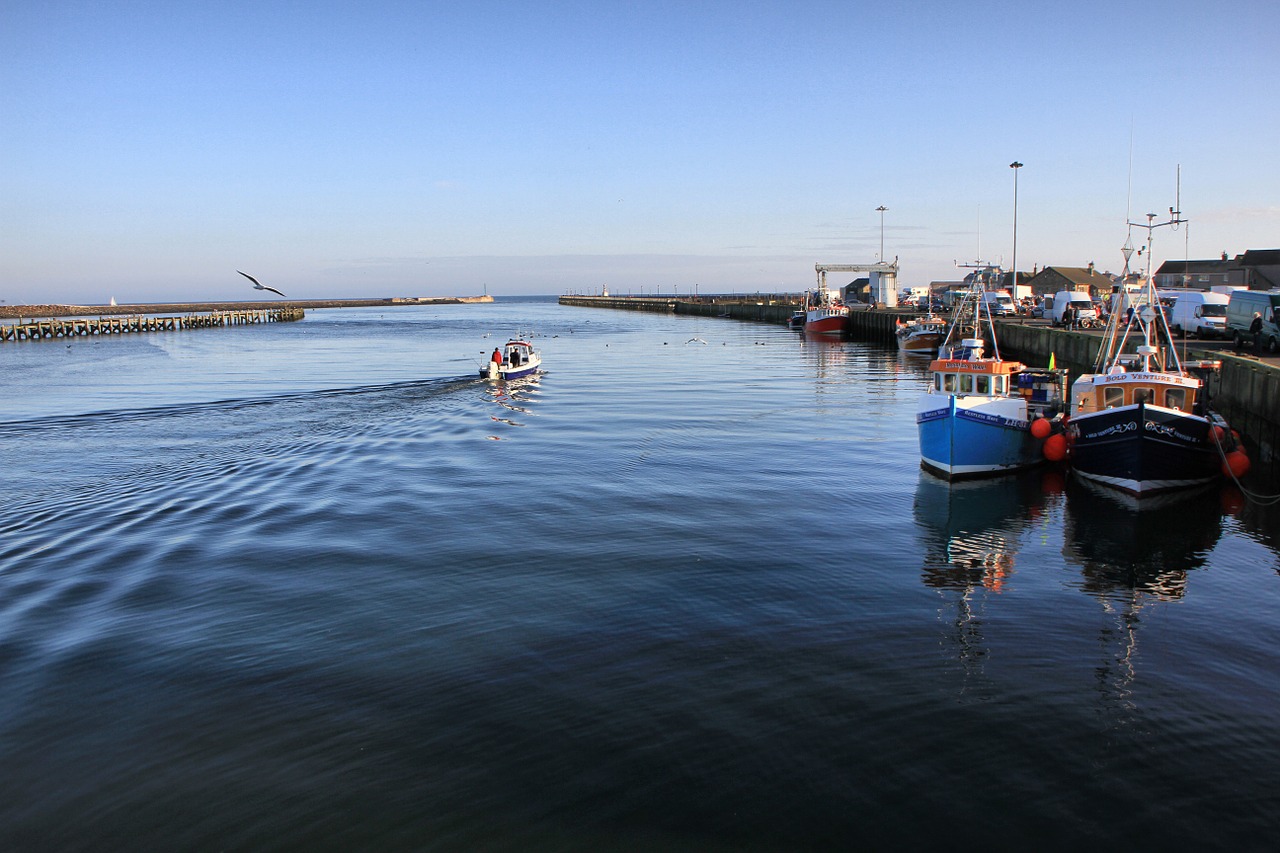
1055 448
1236 464
1040 428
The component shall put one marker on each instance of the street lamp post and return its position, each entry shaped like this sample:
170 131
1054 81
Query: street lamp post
882 209
1015 165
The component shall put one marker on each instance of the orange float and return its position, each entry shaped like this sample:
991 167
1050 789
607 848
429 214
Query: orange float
1055 448
1236 464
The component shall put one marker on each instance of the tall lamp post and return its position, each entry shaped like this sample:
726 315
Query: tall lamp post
881 209
1015 165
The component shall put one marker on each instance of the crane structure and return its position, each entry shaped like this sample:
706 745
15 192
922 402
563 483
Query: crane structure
883 279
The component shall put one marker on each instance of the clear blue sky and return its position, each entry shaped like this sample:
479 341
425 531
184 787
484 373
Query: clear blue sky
148 150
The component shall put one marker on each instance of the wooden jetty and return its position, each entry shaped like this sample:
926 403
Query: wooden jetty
74 327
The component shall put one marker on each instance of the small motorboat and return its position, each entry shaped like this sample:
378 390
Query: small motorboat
511 361
921 336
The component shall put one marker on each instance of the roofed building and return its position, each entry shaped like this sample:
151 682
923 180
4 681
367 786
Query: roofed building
1256 269
1050 280
1262 268
1200 275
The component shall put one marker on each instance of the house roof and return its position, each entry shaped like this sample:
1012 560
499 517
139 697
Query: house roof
1216 265
1080 275
1260 258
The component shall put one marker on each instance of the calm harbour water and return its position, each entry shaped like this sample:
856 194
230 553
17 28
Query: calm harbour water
313 586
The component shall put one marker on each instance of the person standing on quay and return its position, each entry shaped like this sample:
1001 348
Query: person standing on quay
1255 329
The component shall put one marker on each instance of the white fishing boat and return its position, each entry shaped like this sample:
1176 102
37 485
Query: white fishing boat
514 359
984 415
1141 421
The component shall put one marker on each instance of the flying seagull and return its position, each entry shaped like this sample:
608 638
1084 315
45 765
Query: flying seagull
257 286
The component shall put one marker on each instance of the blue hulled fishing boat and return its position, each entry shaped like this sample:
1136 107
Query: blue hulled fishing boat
984 415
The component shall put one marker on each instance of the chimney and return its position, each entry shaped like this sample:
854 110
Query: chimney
1224 254
1090 267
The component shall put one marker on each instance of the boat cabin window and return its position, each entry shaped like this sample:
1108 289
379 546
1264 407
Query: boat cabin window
1112 397
1000 386
1176 398
949 382
982 384
1144 395
966 384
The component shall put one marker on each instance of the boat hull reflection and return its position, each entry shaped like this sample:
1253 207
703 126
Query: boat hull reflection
1125 545
971 529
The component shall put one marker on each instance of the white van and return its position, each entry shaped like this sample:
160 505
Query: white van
999 303
1201 314
1078 300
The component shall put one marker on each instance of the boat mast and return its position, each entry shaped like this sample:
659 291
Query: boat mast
1156 310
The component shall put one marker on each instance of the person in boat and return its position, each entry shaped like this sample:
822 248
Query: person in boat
1255 328
497 356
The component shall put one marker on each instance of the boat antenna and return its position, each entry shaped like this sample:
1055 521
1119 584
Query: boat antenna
1153 303
1128 201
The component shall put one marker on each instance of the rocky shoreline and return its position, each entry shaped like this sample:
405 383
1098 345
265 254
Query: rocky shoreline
51 310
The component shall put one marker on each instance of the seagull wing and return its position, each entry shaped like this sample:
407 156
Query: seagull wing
273 290
251 278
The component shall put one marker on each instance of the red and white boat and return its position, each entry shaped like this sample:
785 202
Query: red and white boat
825 313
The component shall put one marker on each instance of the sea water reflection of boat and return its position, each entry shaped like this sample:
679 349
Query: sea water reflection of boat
976 418
1141 421
971 530
1125 546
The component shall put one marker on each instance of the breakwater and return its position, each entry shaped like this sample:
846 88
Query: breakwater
776 309
64 310
1246 390
73 327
